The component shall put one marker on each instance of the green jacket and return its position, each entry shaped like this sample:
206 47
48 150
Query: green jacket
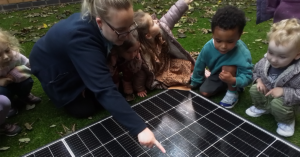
210 57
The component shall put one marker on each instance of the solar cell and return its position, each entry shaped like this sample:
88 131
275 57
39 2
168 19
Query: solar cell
185 123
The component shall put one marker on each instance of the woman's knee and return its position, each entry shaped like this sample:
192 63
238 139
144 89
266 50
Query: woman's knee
82 107
80 113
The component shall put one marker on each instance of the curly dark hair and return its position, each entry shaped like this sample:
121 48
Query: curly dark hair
229 17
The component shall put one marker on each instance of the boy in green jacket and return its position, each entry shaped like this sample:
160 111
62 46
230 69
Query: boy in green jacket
226 56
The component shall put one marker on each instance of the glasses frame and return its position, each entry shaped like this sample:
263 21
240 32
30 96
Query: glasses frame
124 34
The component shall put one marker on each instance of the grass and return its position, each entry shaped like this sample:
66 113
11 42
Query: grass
45 114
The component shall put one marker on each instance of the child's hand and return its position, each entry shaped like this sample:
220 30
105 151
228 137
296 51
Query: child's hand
226 77
5 81
142 93
207 73
275 92
188 1
261 87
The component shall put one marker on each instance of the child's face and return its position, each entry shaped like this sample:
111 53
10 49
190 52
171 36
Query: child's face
6 54
131 52
154 27
281 56
225 40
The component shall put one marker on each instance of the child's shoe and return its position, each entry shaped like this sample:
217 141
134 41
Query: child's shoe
10 129
12 112
255 112
286 130
31 99
129 97
230 99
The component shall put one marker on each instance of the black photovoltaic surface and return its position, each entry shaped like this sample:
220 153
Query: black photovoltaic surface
185 123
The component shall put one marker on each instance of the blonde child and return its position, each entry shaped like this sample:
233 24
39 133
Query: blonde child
14 72
127 59
165 58
277 77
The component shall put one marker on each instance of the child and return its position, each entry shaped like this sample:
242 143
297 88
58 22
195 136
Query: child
126 59
227 57
5 128
14 72
277 77
167 62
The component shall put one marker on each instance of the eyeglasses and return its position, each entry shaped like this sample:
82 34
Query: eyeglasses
124 34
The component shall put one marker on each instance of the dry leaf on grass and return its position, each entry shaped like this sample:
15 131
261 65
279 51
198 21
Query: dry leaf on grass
4 148
25 140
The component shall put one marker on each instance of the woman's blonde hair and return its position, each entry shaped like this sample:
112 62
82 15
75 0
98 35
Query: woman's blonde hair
286 32
100 8
8 39
147 47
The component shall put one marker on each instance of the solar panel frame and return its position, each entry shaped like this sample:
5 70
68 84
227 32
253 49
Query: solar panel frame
208 147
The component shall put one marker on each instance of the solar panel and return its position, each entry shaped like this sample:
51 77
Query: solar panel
185 123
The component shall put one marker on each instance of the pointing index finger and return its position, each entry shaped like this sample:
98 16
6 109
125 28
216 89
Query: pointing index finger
268 93
159 146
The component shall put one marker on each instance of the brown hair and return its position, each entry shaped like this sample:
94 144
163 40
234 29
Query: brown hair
147 47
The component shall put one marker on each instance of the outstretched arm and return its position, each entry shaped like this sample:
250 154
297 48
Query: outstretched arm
175 13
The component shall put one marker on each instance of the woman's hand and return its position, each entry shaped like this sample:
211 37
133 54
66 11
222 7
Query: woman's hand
146 138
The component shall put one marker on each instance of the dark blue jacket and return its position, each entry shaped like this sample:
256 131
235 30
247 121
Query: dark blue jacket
72 57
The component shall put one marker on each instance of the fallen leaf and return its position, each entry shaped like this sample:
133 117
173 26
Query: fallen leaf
28 126
26 140
90 117
45 25
258 39
181 35
204 31
68 133
29 106
4 148
177 25
35 39
265 41
181 30
197 4
73 128
65 128
244 32
52 126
